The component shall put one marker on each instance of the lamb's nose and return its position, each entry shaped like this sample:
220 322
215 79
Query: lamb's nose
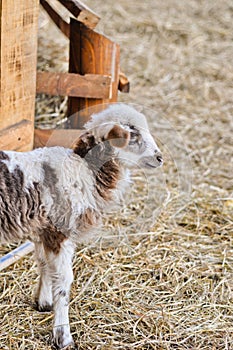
159 158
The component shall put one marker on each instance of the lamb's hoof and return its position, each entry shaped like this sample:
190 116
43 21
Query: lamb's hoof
70 346
62 339
43 308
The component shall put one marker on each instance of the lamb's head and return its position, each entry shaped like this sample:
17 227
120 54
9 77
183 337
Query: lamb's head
126 131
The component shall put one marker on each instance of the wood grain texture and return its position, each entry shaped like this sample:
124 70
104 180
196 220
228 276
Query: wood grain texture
49 138
83 13
56 18
18 54
68 84
15 137
91 53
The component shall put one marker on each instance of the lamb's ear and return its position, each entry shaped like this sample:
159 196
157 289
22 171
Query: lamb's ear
118 137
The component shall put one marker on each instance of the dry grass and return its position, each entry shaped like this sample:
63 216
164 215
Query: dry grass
165 283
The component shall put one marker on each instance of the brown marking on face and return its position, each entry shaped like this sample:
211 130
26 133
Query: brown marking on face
84 144
118 137
4 156
52 239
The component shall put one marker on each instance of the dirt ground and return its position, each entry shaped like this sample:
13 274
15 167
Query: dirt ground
161 275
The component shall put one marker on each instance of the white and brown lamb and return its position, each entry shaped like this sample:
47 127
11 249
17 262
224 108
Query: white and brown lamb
55 196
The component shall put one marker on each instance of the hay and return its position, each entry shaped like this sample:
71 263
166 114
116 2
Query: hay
159 279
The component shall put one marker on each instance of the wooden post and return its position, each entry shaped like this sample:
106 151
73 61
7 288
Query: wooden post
18 52
91 53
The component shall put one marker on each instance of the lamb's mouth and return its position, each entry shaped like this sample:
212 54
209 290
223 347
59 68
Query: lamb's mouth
149 165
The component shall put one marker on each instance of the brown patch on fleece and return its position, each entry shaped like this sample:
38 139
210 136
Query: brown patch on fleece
4 156
52 239
87 220
21 211
107 178
100 159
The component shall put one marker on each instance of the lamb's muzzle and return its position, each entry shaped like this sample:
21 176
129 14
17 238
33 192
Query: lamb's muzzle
159 158
55 197
154 162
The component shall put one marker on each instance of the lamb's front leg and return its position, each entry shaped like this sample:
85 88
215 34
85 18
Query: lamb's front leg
62 277
43 296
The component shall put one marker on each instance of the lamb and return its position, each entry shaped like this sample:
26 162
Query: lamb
55 197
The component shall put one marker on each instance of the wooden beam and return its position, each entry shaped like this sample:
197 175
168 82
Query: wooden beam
56 18
18 55
41 137
81 12
55 137
124 84
15 137
68 84
91 53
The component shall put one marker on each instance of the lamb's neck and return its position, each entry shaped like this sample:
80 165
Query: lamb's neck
107 178
100 158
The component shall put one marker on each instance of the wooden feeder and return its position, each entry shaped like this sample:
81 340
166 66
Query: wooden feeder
94 71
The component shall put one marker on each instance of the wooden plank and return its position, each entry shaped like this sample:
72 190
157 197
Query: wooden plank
81 12
55 137
124 84
15 137
56 18
18 55
41 137
91 53
68 84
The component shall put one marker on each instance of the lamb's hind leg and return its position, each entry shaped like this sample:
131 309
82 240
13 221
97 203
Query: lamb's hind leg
43 295
62 276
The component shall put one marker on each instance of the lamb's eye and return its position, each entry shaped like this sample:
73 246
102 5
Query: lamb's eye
133 138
